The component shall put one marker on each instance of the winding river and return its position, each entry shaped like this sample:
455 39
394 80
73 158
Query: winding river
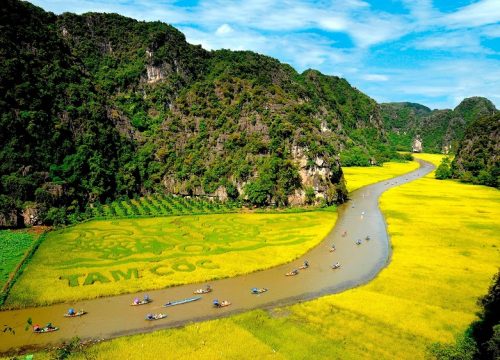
113 316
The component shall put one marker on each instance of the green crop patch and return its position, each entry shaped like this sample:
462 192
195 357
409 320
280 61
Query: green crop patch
108 257
13 246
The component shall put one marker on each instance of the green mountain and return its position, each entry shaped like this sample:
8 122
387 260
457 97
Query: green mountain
439 131
478 154
98 106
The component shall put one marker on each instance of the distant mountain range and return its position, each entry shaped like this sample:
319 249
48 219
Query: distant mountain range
440 131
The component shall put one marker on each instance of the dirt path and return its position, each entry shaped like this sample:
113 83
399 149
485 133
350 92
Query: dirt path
113 316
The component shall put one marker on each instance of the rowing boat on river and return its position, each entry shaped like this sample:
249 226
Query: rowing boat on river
183 301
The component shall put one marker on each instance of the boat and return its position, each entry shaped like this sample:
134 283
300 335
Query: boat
152 317
258 291
292 273
46 329
336 266
203 291
142 302
358 242
221 304
183 301
79 313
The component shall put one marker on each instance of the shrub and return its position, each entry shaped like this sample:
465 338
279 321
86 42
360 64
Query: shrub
443 171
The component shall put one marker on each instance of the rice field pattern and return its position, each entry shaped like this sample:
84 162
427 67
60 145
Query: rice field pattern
127 241
108 257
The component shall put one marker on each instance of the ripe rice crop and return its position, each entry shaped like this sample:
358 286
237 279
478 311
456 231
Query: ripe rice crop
444 237
108 257
357 176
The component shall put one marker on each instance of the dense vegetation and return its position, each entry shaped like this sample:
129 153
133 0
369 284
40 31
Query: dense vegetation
97 106
440 130
478 160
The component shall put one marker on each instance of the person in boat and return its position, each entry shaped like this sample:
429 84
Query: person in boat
294 271
306 264
208 288
49 326
255 291
367 237
150 317
146 298
37 328
358 242
216 303
71 312
136 301
336 265
344 233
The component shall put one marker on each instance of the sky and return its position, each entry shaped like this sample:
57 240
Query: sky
435 53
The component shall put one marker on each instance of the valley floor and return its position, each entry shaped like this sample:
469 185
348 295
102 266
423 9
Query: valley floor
445 252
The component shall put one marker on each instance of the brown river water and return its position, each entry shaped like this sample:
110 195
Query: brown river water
113 316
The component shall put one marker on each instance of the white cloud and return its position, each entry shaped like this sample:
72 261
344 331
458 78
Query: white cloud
224 29
440 84
492 31
375 77
461 41
477 14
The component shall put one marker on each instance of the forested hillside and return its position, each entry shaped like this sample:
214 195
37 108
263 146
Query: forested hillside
98 106
439 130
478 155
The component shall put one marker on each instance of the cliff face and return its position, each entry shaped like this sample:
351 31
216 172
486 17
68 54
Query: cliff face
96 106
440 130
478 154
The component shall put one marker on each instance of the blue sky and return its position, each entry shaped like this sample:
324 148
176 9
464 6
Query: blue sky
432 52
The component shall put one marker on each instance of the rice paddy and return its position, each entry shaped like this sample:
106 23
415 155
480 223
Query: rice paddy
445 251
109 257
13 246
159 205
357 177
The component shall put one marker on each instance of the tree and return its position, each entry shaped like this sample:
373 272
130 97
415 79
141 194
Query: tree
443 171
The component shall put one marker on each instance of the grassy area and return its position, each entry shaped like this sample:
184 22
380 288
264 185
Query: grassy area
357 177
109 257
445 252
13 246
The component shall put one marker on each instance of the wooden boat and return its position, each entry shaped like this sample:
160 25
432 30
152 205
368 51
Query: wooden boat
203 291
79 313
183 301
258 291
156 317
303 267
223 303
292 273
46 330
142 302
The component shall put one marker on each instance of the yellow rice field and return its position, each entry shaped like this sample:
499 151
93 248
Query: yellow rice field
445 251
357 177
109 257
